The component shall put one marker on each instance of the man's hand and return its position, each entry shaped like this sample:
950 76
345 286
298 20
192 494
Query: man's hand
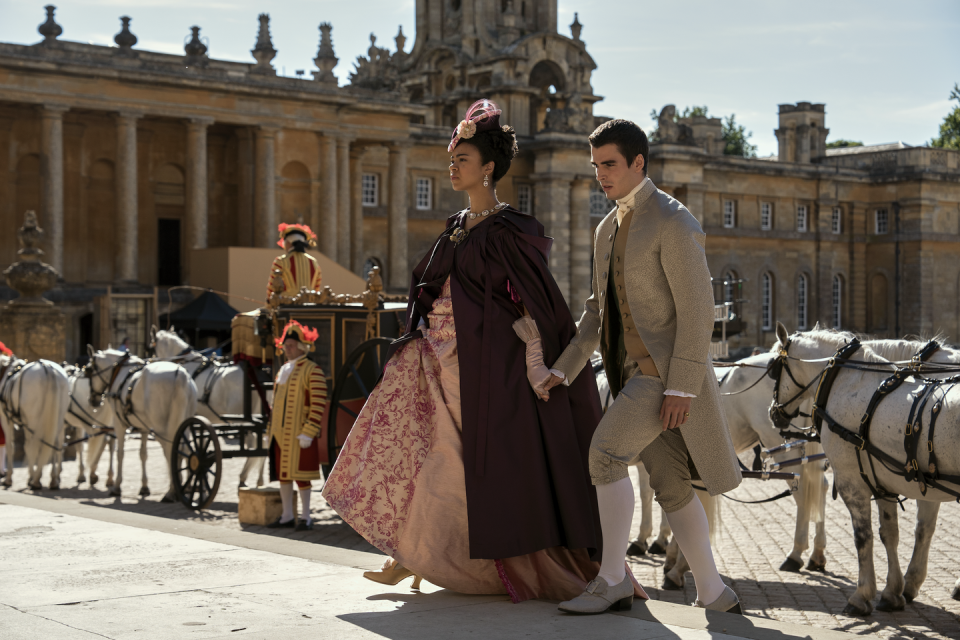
674 411
552 382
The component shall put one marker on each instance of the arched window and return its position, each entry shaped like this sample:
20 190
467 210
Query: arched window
766 301
802 291
837 301
599 205
731 289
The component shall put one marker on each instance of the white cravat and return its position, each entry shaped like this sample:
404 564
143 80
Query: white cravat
286 370
625 204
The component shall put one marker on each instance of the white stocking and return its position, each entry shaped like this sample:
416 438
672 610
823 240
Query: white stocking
616 504
286 498
692 532
305 504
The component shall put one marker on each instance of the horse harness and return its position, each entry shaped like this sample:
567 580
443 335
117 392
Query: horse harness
7 374
910 470
128 383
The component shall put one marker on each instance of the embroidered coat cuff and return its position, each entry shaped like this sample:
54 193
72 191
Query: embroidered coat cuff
686 375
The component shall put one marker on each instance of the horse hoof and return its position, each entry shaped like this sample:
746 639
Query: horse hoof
955 594
241 485
888 605
115 491
637 549
35 487
909 597
670 585
167 499
93 479
656 549
81 479
144 492
791 565
851 610
54 486
109 483
820 565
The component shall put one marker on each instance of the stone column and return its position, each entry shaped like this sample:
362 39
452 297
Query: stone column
265 214
343 202
51 174
553 210
127 209
356 209
397 265
245 188
581 245
327 231
197 181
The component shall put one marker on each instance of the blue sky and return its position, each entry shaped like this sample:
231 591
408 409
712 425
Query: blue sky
884 69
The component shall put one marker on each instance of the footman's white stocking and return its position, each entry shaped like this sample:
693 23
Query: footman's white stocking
692 531
305 504
286 498
616 504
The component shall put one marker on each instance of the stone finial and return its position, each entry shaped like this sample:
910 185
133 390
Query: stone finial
576 27
195 49
400 40
50 30
125 39
29 276
326 60
374 50
264 52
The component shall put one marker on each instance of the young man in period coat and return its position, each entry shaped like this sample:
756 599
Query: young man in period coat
651 315
299 399
295 268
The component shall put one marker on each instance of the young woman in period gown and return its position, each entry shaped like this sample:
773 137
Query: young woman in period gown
460 467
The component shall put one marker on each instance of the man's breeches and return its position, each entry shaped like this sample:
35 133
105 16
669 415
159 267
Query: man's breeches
631 430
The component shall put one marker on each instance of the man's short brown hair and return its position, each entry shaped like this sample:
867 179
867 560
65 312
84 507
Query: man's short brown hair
630 139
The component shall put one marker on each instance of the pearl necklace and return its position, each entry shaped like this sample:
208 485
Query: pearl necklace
487 212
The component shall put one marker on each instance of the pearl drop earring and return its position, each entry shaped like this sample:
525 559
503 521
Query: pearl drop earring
486 181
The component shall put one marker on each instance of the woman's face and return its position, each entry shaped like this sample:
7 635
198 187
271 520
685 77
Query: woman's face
466 167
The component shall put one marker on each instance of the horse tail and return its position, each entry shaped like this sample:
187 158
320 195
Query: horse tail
812 494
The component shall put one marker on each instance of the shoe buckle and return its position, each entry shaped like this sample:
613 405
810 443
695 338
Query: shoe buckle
593 586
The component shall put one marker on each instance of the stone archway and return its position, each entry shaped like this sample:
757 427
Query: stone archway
547 77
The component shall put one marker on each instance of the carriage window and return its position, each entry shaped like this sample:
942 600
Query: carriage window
370 189
837 301
802 302
766 302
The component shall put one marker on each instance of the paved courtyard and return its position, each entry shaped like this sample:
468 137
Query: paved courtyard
753 542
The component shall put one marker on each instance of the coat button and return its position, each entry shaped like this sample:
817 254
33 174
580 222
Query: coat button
618 258
606 257
617 273
626 329
610 237
604 275
625 315
619 287
622 302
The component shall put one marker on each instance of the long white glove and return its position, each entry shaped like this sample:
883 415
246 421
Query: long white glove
305 440
537 372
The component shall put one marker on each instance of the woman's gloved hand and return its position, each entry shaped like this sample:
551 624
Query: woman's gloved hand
305 440
537 372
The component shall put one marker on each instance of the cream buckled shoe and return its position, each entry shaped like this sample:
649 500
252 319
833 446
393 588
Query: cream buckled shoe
599 596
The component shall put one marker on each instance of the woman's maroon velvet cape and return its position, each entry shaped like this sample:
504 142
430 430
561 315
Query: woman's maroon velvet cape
525 460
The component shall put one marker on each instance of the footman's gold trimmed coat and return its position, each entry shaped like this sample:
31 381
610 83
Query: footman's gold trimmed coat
667 285
298 409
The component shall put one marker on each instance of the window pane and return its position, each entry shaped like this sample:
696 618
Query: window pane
424 193
369 189
729 214
836 220
523 199
599 205
766 215
881 221
802 218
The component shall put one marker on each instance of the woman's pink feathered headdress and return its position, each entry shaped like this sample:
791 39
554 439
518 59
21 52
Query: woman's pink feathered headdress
483 115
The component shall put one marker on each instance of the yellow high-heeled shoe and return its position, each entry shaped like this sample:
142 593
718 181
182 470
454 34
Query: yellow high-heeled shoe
393 576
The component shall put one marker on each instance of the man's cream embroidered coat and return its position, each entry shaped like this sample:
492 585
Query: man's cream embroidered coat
668 288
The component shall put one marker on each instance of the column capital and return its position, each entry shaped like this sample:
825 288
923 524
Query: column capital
400 146
128 114
267 130
200 121
53 110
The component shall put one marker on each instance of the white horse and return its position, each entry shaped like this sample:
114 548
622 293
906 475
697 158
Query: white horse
34 396
153 398
95 423
749 424
847 402
221 389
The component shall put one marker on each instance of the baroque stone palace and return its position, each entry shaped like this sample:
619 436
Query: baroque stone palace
140 163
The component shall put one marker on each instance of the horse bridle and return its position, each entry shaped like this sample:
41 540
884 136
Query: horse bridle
778 410
89 370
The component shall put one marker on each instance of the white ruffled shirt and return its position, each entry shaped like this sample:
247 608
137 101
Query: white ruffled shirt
287 369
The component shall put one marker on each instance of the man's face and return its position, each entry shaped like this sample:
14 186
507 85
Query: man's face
615 176
291 348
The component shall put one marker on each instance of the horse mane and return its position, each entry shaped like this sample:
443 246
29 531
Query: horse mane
881 349
166 337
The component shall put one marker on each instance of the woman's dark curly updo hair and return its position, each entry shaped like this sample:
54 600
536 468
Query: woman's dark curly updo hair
497 146
481 128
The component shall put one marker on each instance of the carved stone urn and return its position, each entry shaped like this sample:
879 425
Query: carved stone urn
29 276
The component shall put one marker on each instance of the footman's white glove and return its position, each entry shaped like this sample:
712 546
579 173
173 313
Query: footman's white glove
537 372
304 441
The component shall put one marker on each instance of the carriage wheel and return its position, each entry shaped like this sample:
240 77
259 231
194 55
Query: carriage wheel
197 463
353 385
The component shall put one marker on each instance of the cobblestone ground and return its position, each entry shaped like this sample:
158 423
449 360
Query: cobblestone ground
753 542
